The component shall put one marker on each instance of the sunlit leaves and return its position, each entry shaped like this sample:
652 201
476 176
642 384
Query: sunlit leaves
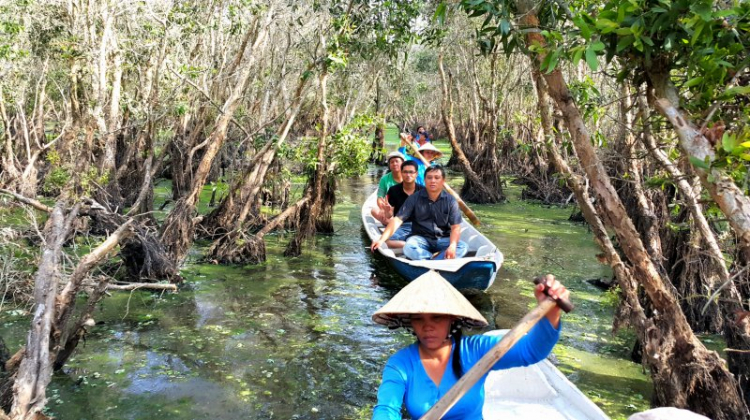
591 59
702 45
440 12
588 98
382 26
497 27
732 154
10 29
583 27
349 148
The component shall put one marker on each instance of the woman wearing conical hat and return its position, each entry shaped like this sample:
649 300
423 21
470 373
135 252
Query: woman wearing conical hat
418 375
427 150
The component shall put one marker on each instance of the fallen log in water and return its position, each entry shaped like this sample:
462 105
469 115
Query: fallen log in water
145 286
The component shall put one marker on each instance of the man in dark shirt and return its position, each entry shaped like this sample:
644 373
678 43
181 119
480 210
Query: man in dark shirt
397 196
436 221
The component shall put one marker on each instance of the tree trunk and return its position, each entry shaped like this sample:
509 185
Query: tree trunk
10 172
647 209
732 202
178 228
234 209
708 274
685 373
320 199
378 144
237 247
484 189
729 197
35 370
50 339
109 166
630 311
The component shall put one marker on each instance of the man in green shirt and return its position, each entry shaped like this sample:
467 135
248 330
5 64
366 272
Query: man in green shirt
384 211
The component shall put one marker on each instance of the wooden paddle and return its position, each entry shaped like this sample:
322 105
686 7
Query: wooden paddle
496 353
464 208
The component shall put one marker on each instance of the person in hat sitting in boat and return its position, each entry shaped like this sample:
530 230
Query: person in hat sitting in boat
421 136
384 211
436 222
428 151
397 196
418 375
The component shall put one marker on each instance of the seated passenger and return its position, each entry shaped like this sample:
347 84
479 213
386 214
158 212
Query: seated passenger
383 212
421 136
397 195
428 151
436 222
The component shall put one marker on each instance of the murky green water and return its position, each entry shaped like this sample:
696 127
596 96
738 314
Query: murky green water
293 339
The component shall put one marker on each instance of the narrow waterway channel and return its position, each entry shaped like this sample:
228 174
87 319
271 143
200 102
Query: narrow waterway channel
293 339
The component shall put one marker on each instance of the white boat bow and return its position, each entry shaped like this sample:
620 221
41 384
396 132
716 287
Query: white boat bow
539 391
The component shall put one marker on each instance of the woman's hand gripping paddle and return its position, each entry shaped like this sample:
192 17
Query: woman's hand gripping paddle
496 353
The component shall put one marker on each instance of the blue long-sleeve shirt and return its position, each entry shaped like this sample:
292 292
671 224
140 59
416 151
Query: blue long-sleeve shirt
405 381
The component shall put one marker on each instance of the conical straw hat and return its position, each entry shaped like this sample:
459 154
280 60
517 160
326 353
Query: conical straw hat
430 293
432 148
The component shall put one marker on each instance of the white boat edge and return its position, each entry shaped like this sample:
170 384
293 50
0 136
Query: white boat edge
539 391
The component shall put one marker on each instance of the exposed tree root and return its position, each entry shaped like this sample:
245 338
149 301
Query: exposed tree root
489 188
238 247
684 374
314 216
144 256
178 230
546 189
52 339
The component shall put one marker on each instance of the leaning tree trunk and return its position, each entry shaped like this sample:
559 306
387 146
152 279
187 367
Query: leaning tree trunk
53 337
35 370
733 203
481 187
709 272
236 246
179 227
630 312
234 209
320 200
251 249
684 372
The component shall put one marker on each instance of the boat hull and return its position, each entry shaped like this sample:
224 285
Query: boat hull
474 275
477 271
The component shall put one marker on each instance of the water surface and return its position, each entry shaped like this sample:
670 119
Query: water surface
292 338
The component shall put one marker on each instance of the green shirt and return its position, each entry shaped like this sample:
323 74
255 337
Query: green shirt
386 182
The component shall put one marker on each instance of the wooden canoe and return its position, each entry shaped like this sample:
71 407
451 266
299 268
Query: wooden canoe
477 270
